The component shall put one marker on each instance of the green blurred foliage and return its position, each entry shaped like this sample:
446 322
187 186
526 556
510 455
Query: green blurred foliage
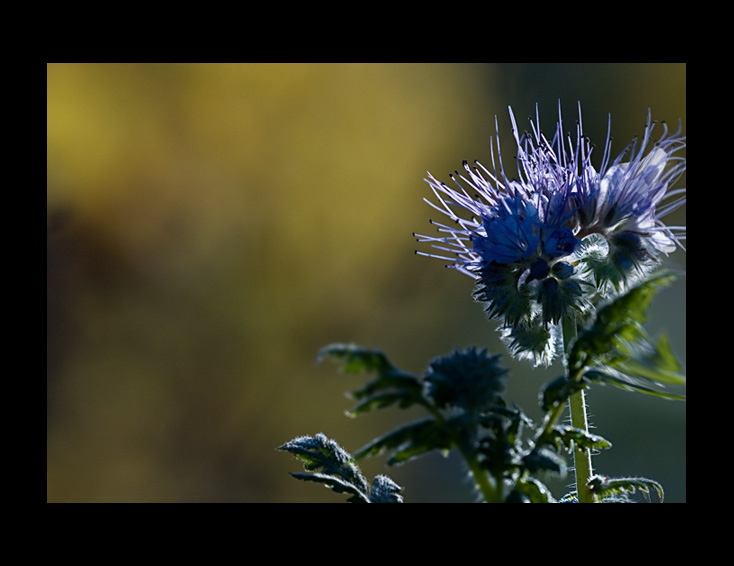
212 226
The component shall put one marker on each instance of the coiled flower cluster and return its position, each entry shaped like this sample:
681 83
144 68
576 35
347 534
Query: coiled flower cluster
544 247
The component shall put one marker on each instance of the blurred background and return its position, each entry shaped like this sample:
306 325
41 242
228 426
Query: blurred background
211 226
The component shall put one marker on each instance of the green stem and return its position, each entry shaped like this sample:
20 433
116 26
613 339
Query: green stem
581 456
491 488
577 408
551 419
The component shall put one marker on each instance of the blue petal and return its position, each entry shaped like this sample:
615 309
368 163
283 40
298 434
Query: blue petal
561 242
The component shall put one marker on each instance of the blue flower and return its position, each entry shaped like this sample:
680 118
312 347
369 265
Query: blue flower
540 247
509 236
626 202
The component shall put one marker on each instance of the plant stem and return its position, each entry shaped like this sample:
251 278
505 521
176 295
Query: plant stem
581 456
490 488
491 491
577 408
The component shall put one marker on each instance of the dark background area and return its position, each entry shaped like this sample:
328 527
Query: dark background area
212 226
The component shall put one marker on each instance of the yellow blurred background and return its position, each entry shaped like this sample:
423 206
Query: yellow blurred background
211 226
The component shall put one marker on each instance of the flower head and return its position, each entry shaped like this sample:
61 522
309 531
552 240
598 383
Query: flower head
472 380
542 246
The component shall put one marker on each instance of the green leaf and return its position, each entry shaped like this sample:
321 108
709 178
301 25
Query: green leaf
558 390
534 490
615 349
629 383
336 484
329 464
390 386
409 441
604 487
567 436
323 455
656 363
617 324
381 401
356 359
542 459
505 422
384 490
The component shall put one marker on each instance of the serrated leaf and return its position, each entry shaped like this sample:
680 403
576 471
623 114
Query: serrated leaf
656 363
615 349
409 441
617 324
568 436
335 483
542 459
391 379
381 401
629 383
385 490
324 457
390 386
329 464
505 421
558 390
534 490
604 487
355 359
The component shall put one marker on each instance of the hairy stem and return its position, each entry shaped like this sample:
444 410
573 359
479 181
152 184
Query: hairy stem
581 456
577 408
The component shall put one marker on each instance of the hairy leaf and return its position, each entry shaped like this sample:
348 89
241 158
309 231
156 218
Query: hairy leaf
616 349
534 491
567 436
336 484
605 487
325 457
389 387
329 464
356 359
409 441
381 401
542 459
655 363
629 383
385 490
505 421
557 391
617 323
